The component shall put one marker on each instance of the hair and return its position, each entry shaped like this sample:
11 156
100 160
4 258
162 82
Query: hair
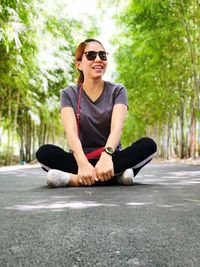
79 53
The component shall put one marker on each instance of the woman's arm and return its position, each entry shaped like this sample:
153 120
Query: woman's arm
117 123
70 126
85 170
104 167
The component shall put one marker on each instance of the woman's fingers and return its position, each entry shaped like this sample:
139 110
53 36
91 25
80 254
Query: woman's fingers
88 180
80 179
97 176
100 176
105 176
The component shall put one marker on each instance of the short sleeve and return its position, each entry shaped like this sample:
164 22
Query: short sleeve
120 95
65 100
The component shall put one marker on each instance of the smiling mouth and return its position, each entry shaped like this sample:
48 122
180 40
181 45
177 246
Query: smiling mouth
98 67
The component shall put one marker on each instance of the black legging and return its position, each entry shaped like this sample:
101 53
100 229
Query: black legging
135 156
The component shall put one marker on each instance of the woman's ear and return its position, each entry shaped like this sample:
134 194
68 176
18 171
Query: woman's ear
78 65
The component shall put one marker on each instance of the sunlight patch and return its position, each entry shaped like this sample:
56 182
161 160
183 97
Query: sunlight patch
59 205
138 203
185 173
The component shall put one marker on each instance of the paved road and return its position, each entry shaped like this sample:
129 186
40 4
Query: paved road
154 223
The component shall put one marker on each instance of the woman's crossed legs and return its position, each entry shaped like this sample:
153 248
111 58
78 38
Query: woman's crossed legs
135 156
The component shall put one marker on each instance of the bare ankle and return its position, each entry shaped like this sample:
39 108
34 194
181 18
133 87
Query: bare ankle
73 181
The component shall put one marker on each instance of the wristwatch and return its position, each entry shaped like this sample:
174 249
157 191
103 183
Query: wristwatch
109 150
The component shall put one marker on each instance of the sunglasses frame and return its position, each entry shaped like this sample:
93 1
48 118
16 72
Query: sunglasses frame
96 53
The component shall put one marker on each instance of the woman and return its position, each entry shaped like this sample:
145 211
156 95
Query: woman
93 114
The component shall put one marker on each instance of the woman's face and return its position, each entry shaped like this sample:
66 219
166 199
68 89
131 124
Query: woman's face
92 69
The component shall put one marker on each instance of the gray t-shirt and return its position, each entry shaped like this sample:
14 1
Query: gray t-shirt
95 117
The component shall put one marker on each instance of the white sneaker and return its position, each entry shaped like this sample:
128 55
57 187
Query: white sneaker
56 178
127 177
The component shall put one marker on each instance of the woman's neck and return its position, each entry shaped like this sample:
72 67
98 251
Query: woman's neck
93 85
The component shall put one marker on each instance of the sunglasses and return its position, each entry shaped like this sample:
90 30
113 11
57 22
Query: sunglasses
91 55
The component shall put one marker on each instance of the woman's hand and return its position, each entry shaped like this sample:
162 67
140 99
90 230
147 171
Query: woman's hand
104 167
86 173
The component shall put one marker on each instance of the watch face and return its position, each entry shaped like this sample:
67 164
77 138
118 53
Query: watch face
109 150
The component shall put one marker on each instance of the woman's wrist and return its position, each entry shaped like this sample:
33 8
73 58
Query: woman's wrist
80 158
106 155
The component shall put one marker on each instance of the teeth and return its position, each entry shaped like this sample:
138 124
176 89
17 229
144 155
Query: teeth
97 67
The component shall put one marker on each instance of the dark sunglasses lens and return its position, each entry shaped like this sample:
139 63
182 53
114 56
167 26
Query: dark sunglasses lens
91 55
103 55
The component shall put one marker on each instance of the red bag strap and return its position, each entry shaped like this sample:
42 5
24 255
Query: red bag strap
97 152
79 108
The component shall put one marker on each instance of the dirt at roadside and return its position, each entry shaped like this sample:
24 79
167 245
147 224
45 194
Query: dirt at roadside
189 161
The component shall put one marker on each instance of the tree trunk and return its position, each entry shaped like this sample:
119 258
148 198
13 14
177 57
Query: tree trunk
8 152
182 143
192 52
15 119
192 135
1 123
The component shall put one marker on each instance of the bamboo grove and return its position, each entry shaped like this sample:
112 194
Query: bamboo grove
37 39
158 60
157 55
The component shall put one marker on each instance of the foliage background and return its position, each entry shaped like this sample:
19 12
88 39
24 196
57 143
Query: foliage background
157 58
159 62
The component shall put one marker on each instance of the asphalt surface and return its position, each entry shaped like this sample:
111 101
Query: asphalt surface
156 222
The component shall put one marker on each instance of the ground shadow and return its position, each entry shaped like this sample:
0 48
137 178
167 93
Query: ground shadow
100 184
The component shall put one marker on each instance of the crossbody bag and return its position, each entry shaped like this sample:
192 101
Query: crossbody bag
97 152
